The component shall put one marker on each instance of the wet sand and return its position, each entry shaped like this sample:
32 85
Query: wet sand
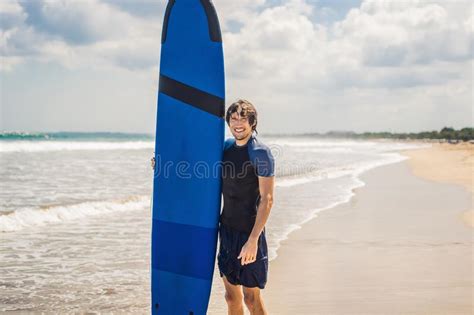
401 245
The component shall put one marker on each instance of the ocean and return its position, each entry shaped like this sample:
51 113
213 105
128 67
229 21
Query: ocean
75 213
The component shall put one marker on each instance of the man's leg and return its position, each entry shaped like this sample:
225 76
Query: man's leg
254 301
233 297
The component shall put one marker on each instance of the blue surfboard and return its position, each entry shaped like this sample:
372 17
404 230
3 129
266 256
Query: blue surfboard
188 152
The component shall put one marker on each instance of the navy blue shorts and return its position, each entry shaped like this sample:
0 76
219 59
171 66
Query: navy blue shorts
250 275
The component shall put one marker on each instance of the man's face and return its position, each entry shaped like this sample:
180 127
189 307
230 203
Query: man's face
239 126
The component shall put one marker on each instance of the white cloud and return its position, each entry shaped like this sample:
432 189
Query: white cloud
382 58
291 65
77 22
392 33
283 42
241 11
78 34
11 14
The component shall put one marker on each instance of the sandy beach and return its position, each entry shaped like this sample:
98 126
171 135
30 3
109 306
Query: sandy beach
401 245
446 163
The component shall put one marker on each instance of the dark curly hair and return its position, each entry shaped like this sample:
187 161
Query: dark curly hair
245 109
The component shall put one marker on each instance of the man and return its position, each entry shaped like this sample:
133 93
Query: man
247 188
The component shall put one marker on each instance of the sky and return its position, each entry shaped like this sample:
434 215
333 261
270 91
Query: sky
307 65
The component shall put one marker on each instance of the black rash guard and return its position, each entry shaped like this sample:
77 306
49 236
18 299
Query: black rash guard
240 170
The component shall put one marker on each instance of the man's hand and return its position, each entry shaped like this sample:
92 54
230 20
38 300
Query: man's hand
153 163
249 251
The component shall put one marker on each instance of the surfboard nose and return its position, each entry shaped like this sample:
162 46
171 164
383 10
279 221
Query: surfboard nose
187 18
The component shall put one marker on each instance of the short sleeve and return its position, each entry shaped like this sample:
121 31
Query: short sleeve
262 159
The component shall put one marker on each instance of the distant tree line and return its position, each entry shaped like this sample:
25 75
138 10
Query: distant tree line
447 133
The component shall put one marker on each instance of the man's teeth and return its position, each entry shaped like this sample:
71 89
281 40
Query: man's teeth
239 130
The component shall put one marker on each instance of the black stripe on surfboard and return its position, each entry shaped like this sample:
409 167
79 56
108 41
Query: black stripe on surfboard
212 21
192 96
164 31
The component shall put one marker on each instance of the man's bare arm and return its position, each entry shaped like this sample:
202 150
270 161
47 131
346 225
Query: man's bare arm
266 185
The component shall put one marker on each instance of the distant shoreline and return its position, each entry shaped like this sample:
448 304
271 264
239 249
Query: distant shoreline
446 134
